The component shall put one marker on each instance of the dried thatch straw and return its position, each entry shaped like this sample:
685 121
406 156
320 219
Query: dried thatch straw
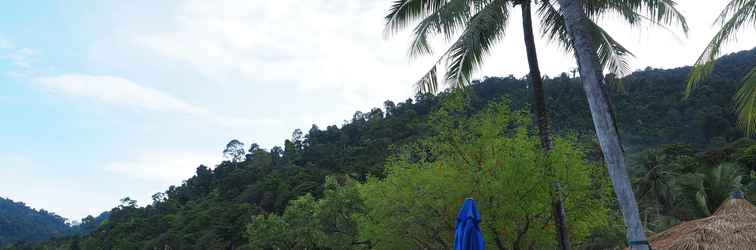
732 227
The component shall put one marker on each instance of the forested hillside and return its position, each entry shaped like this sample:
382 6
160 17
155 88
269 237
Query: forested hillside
650 104
19 222
327 186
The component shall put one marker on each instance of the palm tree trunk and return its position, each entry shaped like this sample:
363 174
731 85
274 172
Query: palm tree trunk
539 101
542 122
592 78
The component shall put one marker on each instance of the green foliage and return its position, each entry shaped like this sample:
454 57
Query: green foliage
307 223
493 158
745 100
296 229
19 222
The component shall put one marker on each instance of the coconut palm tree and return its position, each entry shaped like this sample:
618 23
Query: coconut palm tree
578 28
736 15
656 179
483 22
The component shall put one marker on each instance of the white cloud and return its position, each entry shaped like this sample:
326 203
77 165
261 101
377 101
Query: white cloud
118 91
22 59
301 44
5 44
165 168
45 187
337 48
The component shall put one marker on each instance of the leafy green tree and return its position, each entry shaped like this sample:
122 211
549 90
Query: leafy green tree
234 151
128 203
308 223
268 232
736 15
336 214
414 207
19 222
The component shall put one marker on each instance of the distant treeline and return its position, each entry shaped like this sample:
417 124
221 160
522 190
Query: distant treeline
21 223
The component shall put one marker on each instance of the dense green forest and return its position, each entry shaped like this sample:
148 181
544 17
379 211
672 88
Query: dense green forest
21 223
18 222
392 178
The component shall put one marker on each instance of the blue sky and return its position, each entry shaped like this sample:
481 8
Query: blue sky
106 99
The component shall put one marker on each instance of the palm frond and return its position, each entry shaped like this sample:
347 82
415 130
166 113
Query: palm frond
553 27
429 82
700 200
445 21
745 101
658 12
666 12
483 22
445 18
736 14
731 8
613 56
403 12
483 30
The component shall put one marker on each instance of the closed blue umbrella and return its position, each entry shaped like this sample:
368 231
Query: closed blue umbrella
467 235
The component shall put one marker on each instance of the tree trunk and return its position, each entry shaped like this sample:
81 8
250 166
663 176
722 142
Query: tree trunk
539 101
542 122
592 78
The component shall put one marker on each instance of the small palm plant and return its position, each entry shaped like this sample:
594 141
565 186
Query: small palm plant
710 188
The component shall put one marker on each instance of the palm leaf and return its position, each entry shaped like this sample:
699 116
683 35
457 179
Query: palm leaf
745 101
553 27
446 20
483 30
465 55
612 55
659 12
429 82
403 12
733 17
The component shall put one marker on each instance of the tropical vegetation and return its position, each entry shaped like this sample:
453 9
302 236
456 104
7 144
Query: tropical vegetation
338 187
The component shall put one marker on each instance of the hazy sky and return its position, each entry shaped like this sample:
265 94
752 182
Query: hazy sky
106 99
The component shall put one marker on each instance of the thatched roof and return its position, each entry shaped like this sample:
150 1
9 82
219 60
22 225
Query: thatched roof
732 226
